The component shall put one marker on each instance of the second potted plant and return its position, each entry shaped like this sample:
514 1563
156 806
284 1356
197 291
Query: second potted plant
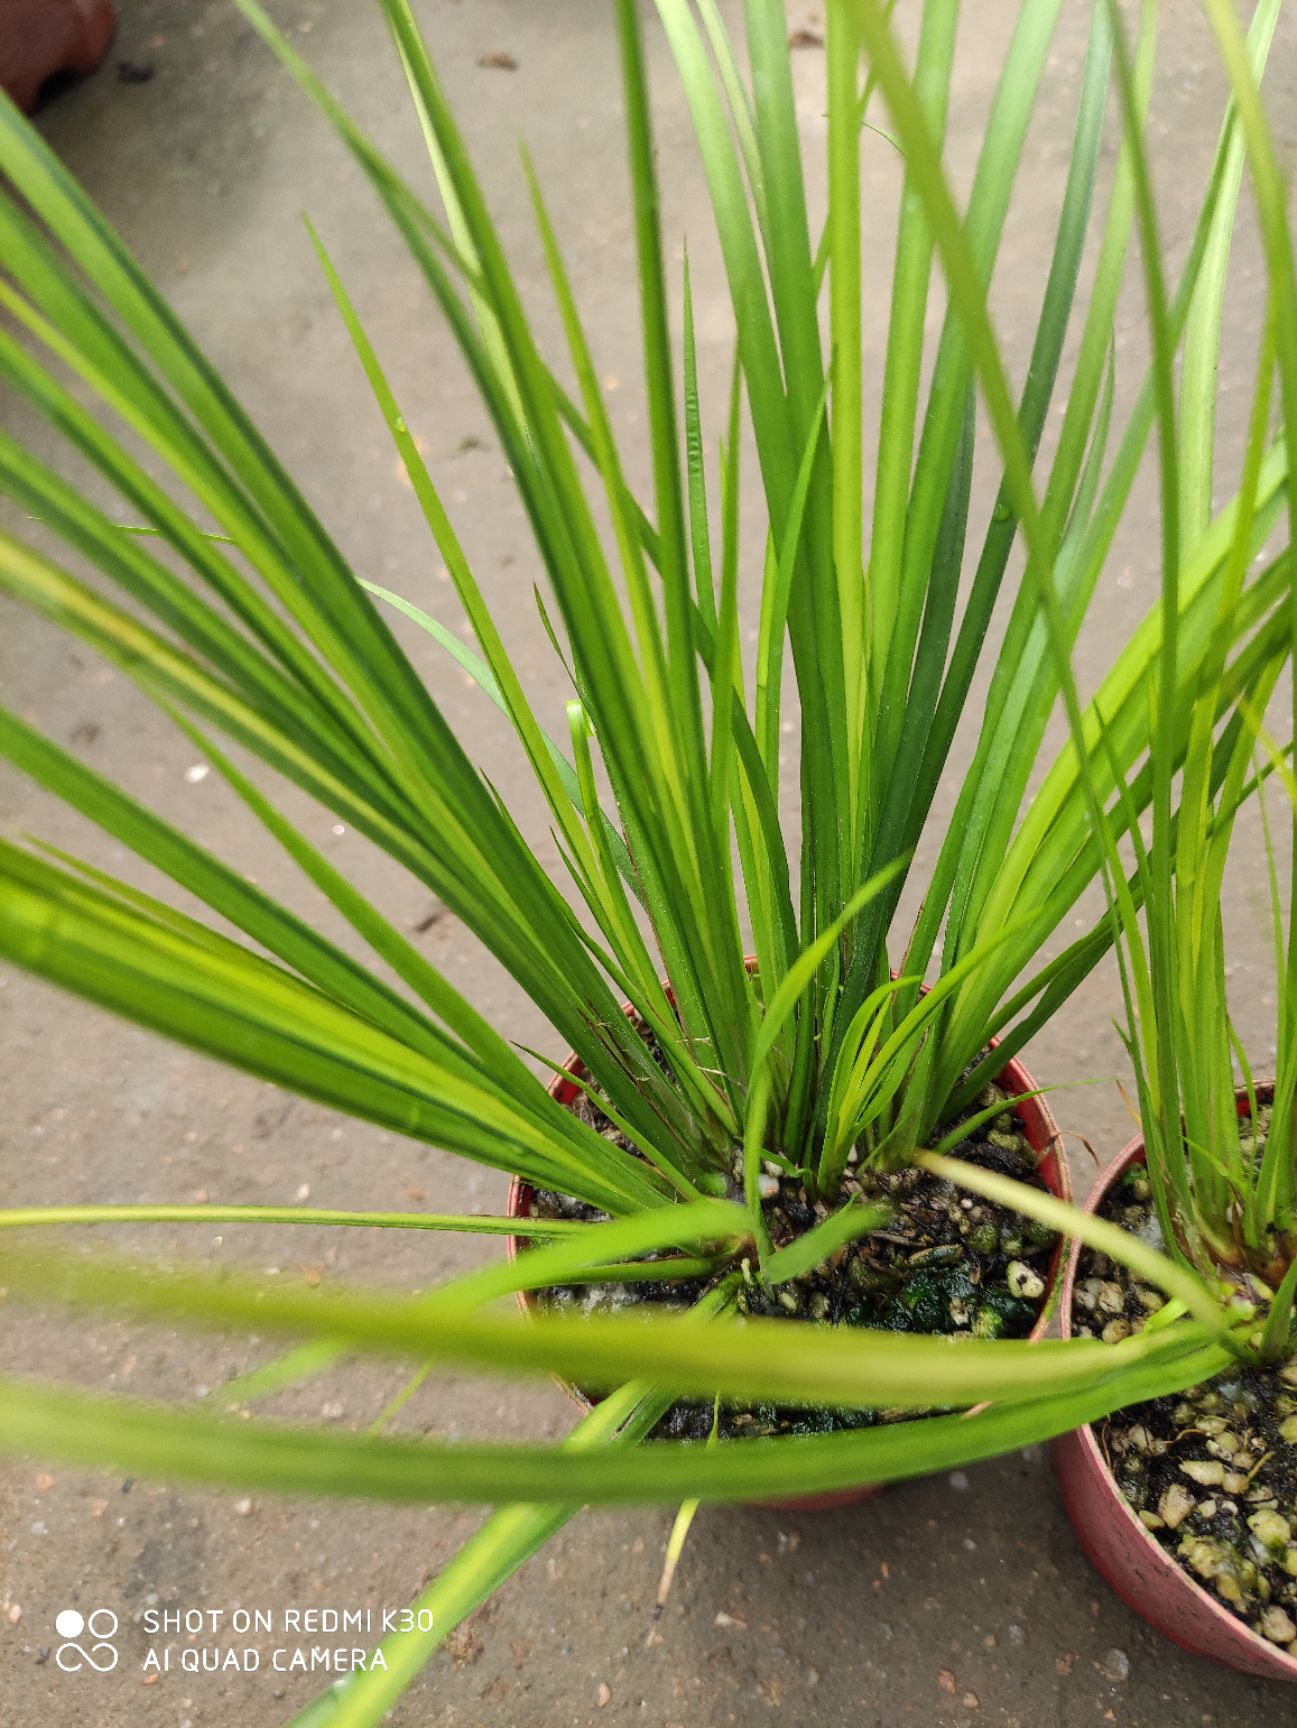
1188 1503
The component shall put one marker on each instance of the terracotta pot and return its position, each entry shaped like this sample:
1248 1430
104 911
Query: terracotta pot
41 38
1041 1131
1138 1568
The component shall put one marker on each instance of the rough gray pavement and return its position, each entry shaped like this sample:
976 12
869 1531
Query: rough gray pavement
957 1599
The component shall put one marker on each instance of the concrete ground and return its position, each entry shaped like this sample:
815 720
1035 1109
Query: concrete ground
963 1598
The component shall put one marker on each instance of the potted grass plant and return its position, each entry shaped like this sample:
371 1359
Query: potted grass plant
1186 1503
784 1087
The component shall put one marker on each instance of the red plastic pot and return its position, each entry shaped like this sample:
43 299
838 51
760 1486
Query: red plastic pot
39 39
1042 1133
1133 1562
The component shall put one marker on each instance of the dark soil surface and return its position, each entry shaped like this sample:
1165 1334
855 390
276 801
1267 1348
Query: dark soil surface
945 1262
1211 1472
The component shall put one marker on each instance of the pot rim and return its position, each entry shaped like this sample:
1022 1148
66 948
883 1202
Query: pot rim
1084 1437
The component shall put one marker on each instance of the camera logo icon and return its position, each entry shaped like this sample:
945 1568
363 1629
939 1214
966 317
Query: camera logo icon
99 1628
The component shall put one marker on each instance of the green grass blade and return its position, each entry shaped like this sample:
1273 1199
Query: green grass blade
146 1439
